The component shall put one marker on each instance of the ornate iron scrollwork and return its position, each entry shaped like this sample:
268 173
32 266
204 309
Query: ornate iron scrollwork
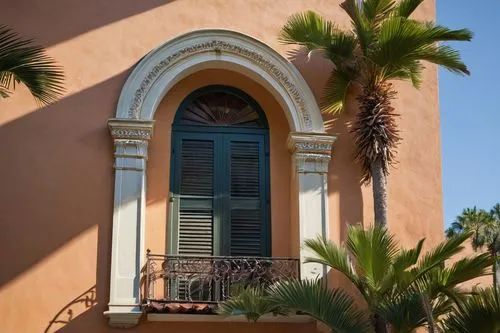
188 279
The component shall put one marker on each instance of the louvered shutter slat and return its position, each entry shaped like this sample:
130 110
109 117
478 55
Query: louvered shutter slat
196 214
246 228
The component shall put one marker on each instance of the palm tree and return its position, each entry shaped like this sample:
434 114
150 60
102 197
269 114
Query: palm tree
495 211
383 44
400 287
494 247
23 62
477 314
485 230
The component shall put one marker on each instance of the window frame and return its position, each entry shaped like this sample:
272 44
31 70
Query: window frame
222 136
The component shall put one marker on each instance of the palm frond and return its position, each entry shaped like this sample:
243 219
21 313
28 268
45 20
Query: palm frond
21 61
442 55
335 92
443 295
360 24
308 29
412 70
425 275
444 305
431 33
341 50
401 40
456 295
466 269
407 258
375 10
251 302
333 307
442 252
329 254
374 250
313 32
439 288
405 313
406 7
478 314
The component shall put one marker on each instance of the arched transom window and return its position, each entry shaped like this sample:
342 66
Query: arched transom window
220 108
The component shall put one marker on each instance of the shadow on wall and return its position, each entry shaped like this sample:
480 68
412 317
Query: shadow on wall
57 183
81 303
57 179
344 178
70 25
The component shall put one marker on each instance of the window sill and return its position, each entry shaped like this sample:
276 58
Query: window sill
220 319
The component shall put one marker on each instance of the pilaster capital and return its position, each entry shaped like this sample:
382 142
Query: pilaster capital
311 151
131 138
131 129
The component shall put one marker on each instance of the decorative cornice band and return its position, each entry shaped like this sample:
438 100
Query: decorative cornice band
311 143
131 129
219 46
311 152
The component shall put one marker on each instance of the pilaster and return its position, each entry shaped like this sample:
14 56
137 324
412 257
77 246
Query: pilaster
311 155
131 139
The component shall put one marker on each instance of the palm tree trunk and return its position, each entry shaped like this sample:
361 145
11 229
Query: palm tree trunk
376 137
431 326
379 185
496 272
379 324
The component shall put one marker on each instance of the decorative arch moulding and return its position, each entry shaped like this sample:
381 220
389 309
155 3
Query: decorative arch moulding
215 48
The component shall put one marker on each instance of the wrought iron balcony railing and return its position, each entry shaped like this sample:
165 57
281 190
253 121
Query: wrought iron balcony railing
189 279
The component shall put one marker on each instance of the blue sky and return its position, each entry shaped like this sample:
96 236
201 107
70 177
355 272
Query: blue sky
470 109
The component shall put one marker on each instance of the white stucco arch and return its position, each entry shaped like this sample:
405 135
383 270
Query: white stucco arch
132 129
166 65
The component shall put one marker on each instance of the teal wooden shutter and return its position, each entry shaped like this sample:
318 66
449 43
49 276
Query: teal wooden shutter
248 203
194 195
221 195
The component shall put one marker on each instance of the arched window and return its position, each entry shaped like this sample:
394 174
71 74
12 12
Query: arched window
220 175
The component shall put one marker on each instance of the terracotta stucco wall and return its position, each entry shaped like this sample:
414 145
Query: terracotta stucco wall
56 170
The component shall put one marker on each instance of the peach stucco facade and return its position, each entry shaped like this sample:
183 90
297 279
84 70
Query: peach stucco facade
56 198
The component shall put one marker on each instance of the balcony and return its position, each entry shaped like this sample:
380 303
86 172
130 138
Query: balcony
194 285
